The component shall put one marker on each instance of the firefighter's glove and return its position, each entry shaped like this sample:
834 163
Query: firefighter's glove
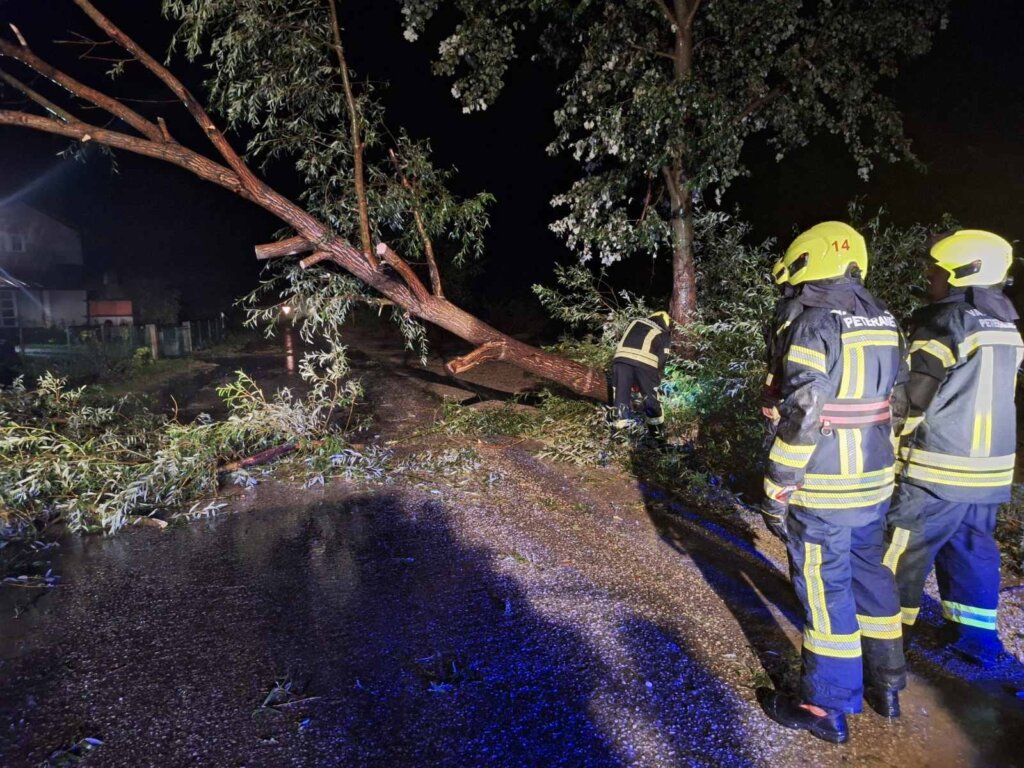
775 511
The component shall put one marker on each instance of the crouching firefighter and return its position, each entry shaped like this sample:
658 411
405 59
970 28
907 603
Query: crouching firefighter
640 359
958 453
828 484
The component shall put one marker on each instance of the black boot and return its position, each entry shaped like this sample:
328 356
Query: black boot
885 701
786 711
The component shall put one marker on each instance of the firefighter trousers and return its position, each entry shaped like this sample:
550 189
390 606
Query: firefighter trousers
958 539
852 632
646 378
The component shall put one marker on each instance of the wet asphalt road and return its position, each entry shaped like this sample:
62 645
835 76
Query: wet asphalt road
417 651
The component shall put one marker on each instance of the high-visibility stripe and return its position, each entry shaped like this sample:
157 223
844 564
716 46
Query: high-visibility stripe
953 477
897 546
841 499
912 423
1007 338
860 480
769 379
858 451
981 444
848 381
846 459
820 621
796 456
827 644
876 338
858 357
807 357
972 464
771 489
909 615
935 348
984 618
655 420
641 357
880 627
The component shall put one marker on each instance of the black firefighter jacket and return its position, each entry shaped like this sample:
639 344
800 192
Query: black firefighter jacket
841 359
961 436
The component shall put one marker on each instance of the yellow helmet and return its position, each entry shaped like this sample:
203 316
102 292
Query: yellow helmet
973 257
663 316
779 272
824 251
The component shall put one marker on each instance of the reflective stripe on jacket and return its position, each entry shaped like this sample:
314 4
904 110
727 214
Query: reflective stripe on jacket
645 342
962 444
835 437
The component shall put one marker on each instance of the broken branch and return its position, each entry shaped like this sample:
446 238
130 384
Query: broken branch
489 351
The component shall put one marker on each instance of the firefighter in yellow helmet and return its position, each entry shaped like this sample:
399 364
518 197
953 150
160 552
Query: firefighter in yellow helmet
829 480
959 449
640 360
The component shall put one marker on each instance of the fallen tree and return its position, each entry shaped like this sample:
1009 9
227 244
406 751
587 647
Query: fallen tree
378 267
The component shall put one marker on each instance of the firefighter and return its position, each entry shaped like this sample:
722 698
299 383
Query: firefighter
958 454
640 359
829 481
786 310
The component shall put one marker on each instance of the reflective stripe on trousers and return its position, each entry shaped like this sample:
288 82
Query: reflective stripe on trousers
958 539
852 631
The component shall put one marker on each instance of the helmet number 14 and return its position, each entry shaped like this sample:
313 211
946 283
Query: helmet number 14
845 245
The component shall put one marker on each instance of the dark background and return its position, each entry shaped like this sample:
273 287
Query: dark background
963 107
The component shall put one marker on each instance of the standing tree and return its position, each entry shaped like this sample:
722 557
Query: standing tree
279 72
662 96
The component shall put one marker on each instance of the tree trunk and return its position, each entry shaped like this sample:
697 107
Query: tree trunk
683 304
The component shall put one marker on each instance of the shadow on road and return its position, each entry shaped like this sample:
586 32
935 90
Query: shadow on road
402 644
744 580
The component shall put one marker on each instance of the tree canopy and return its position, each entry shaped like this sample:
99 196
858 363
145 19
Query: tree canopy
659 98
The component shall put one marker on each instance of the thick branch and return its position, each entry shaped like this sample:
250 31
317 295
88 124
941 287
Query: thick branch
242 171
401 266
428 244
38 98
290 247
357 142
171 153
492 350
150 130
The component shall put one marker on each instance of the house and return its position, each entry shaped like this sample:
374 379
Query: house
42 275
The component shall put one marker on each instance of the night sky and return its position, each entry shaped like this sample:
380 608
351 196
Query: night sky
963 104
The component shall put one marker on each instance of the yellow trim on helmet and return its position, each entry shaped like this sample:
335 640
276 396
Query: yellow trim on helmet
973 257
662 315
825 251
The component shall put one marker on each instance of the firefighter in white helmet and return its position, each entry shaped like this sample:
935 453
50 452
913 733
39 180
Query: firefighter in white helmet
958 452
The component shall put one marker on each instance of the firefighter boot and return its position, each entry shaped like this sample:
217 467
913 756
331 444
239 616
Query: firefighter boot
787 712
885 701
656 432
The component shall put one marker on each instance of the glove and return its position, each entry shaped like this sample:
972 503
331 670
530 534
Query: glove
775 510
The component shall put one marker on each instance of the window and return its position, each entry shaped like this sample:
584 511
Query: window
8 311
